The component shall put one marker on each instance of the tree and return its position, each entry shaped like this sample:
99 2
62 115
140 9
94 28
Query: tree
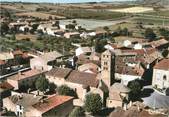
65 90
52 87
41 83
50 17
99 45
7 14
74 22
164 32
13 37
135 87
165 53
70 26
149 34
34 27
4 28
77 112
125 32
93 103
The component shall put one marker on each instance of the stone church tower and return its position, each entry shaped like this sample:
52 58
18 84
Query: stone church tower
107 67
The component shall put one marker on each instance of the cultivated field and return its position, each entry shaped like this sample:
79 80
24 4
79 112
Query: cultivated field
39 15
27 36
133 10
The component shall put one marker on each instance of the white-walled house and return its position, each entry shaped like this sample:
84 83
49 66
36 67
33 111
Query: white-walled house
23 28
126 43
161 74
72 35
83 50
137 46
41 62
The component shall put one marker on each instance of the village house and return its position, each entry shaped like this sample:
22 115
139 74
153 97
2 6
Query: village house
38 106
5 91
83 50
45 61
25 28
13 59
50 29
89 68
72 35
24 80
118 96
95 56
160 44
6 56
161 74
82 83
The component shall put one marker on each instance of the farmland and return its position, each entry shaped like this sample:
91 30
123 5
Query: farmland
132 10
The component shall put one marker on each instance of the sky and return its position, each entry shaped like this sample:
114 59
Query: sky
63 1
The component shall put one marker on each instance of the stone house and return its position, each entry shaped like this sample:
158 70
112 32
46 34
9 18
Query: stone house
72 35
24 79
45 61
82 83
161 74
34 105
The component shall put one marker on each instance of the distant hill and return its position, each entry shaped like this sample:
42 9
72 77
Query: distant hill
154 2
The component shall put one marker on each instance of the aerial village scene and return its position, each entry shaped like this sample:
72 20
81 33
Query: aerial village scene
84 58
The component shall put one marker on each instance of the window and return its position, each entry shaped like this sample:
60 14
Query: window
105 68
105 63
158 77
164 77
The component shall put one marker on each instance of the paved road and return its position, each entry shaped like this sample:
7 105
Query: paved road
7 75
156 100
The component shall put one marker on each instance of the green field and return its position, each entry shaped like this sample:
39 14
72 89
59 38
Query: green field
152 21
159 13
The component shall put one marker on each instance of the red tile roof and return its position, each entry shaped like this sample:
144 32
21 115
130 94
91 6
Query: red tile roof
2 62
163 64
59 72
83 78
17 52
159 43
6 86
51 102
25 74
140 51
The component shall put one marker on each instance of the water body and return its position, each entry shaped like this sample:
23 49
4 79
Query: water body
65 1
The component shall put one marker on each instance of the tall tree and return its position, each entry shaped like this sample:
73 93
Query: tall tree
135 87
4 28
41 83
149 34
164 32
93 103
65 90
52 87
77 112
165 53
